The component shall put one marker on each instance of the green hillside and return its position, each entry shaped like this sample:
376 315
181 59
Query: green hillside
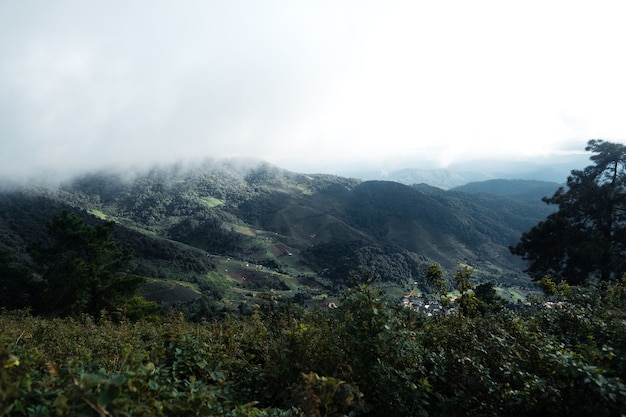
527 190
230 230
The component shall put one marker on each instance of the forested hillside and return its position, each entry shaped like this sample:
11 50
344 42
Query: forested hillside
225 225
527 190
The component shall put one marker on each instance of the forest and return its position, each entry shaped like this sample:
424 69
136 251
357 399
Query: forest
83 333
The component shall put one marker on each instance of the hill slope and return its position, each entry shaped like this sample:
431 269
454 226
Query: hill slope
229 227
527 190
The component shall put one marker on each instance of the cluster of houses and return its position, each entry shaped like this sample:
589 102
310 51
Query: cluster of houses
430 307
426 306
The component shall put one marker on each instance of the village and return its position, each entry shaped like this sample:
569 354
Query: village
429 307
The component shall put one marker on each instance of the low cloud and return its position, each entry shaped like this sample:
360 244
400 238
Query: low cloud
313 87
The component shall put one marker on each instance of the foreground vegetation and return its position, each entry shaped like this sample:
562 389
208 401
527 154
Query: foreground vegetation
562 355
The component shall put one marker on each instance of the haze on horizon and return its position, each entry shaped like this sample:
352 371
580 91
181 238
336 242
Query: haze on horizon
314 86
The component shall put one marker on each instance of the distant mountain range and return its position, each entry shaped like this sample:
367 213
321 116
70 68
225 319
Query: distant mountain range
227 225
526 190
556 169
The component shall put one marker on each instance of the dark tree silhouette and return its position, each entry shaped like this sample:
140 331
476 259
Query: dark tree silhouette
18 289
84 269
586 238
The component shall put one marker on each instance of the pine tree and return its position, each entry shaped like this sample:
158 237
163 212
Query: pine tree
586 238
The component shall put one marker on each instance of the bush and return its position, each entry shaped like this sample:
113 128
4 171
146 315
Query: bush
367 357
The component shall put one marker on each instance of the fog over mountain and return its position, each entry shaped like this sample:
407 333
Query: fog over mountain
301 225
554 169
319 86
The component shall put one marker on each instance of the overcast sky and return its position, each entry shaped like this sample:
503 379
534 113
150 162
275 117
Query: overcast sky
308 85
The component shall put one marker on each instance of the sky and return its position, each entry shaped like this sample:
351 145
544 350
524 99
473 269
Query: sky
311 86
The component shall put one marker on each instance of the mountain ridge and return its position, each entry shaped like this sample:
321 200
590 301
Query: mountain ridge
286 228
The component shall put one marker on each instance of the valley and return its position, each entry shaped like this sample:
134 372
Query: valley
223 232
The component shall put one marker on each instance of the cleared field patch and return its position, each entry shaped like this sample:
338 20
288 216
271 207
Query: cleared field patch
211 202
244 230
514 294
159 290
99 214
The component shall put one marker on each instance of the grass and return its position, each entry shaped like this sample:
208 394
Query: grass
211 202
156 289
99 214
513 294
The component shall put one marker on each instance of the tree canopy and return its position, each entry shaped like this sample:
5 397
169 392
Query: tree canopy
18 289
586 238
84 269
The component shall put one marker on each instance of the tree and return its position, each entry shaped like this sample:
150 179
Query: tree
84 269
488 299
18 289
467 301
437 283
586 238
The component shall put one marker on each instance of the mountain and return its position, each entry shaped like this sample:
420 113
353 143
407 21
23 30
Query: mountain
229 229
440 178
552 168
527 190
